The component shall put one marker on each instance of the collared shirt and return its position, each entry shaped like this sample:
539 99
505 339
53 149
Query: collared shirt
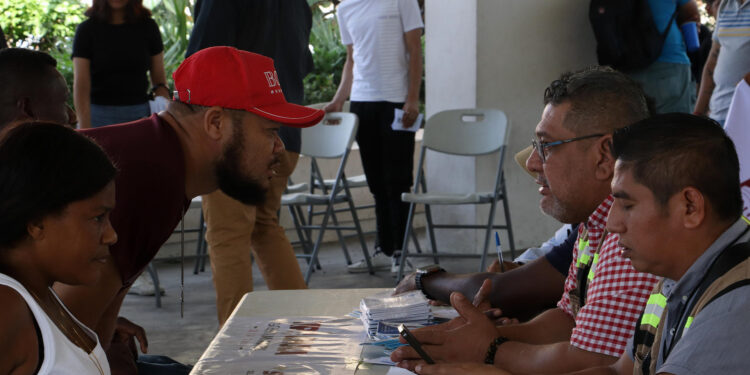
615 296
719 336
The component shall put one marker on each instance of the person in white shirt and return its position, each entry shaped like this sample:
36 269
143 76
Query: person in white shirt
382 73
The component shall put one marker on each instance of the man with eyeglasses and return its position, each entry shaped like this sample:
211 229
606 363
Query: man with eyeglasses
603 295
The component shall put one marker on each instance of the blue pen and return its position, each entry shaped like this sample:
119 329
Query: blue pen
499 252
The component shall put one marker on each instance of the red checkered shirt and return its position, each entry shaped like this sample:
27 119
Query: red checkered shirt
615 297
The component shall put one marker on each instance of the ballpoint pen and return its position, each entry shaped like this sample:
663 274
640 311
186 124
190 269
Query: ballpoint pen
499 252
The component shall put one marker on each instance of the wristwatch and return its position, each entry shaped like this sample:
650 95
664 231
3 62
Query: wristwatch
423 272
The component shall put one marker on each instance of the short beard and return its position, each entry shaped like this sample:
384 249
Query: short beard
564 213
246 189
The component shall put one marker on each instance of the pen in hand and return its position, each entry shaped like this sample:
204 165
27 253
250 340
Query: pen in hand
499 252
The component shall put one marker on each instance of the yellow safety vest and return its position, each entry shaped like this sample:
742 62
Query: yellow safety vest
586 270
729 271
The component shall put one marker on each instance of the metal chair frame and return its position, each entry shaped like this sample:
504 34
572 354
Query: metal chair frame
326 141
447 133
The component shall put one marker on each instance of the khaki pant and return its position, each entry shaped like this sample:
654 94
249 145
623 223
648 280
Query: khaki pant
231 227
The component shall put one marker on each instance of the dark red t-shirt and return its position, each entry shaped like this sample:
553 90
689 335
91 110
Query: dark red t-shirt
150 189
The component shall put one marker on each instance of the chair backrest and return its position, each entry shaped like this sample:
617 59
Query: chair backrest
471 131
331 138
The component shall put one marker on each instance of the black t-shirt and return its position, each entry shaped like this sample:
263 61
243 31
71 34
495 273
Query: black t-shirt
561 255
120 57
273 28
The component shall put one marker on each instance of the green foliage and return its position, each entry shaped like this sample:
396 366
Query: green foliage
49 25
175 21
328 54
45 25
40 24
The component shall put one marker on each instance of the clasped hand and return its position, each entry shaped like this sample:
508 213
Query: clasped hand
463 339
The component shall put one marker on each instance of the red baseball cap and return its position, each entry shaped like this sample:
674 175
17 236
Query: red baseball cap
235 79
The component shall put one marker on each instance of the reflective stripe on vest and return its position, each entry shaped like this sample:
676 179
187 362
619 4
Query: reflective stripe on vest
583 256
654 309
688 323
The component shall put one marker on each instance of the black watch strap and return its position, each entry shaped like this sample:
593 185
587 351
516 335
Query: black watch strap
490 357
424 272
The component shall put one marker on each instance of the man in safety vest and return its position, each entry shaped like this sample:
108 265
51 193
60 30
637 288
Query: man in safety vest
603 294
677 210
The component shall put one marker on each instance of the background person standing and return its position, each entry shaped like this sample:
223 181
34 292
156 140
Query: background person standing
668 80
112 52
382 73
728 61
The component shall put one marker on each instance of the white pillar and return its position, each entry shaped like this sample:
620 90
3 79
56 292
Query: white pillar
499 54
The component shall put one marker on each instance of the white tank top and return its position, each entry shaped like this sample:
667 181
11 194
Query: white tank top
61 356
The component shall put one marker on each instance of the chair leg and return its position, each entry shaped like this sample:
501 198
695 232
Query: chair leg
362 242
488 235
204 244
507 221
306 228
416 241
155 278
300 233
405 244
303 233
431 231
202 248
314 255
342 242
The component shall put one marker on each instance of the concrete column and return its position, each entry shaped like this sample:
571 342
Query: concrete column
498 54
450 83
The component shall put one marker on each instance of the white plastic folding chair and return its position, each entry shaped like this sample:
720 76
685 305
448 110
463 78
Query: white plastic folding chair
353 182
331 139
464 132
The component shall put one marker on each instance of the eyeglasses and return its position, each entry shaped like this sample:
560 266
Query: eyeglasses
541 147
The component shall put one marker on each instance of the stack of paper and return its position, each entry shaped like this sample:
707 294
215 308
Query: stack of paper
381 309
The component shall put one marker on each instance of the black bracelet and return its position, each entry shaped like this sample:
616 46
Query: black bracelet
490 357
420 285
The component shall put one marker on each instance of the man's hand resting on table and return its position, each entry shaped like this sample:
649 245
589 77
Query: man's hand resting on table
463 339
482 302
408 284
481 299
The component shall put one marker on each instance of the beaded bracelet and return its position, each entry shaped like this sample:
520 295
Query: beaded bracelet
490 357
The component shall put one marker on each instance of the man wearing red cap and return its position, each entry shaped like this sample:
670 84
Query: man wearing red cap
237 234
220 132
